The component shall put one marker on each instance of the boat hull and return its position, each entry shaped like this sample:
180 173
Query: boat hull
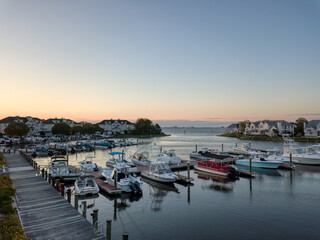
157 178
305 160
212 171
262 164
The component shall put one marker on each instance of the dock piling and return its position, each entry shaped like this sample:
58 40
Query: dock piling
125 236
57 184
115 179
95 216
62 189
109 229
46 175
76 201
291 160
236 145
196 148
250 159
53 181
50 178
84 211
42 172
188 169
69 195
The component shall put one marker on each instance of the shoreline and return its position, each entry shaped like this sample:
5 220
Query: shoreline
267 138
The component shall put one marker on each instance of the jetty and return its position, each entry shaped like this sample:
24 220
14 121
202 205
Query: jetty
43 212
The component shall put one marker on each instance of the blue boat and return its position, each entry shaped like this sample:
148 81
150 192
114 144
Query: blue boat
258 161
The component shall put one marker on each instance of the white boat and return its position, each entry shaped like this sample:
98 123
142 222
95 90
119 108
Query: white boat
198 155
316 148
58 167
140 158
125 181
88 166
258 161
119 162
159 171
243 149
86 186
168 156
301 155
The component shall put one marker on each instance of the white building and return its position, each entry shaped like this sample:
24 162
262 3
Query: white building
49 123
269 128
116 126
33 123
312 129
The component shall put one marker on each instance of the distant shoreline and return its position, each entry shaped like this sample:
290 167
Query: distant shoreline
267 138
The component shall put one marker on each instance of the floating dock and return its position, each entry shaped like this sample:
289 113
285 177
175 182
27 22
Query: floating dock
43 212
103 186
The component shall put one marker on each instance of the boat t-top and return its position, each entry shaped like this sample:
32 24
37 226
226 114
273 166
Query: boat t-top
118 161
168 156
140 158
125 181
89 166
161 172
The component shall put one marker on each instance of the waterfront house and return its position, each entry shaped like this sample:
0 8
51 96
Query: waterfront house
312 129
233 128
33 123
116 126
269 128
49 123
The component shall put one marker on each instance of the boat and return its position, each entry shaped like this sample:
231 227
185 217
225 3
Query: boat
258 161
86 185
58 167
209 154
275 156
119 162
125 181
217 168
243 149
168 156
160 172
140 158
301 155
88 166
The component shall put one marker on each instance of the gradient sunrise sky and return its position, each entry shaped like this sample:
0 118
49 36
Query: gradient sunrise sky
210 61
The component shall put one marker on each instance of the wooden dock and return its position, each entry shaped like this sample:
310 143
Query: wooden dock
103 186
43 212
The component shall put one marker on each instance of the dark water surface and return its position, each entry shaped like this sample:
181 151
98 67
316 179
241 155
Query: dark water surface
277 204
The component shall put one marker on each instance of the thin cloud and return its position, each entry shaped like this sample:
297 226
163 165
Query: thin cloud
302 114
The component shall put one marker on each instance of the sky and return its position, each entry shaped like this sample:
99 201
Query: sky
172 61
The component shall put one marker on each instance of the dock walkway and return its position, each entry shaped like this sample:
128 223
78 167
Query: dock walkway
43 212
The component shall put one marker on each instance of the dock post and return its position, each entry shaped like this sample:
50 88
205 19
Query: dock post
291 160
69 195
46 175
160 149
33 162
196 148
250 145
57 184
62 189
95 216
38 170
188 169
42 172
84 211
115 179
250 163
50 178
222 147
109 229
76 201
236 145
125 236
53 181
35 166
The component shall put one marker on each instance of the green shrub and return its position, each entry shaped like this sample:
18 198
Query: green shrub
10 228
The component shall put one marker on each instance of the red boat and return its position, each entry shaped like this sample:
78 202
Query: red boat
216 167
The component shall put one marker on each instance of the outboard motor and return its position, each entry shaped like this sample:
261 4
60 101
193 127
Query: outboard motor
135 186
233 172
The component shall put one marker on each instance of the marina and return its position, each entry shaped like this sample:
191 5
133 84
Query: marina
130 211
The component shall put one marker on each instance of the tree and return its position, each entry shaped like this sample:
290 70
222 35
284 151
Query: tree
242 126
157 128
143 126
299 129
17 129
76 129
61 128
89 128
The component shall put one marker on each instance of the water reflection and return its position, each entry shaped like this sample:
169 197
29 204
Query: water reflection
219 183
158 191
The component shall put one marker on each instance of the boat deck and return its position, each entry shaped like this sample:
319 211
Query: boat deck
103 186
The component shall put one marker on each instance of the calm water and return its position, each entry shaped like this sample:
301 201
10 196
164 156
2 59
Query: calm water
277 204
